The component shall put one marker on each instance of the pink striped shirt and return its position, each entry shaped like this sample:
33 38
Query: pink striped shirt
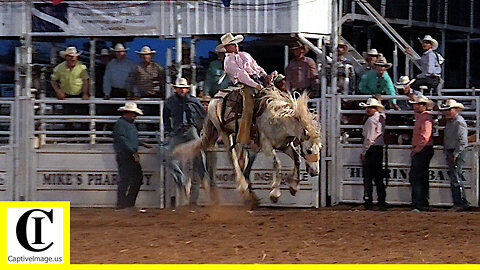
240 66
422 132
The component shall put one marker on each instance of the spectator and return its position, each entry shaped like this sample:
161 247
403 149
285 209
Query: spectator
371 56
372 153
430 64
377 81
148 76
215 72
422 153
181 117
404 87
115 81
346 73
301 72
280 83
100 71
125 143
455 140
71 74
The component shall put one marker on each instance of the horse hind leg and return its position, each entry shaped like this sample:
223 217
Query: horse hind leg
242 184
276 181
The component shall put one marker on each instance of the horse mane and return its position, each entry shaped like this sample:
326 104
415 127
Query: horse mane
284 105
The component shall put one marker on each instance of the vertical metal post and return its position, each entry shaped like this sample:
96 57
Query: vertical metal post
445 14
395 63
333 90
383 7
91 105
324 127
178 33
467 75
193 67
168 79
429 10
442 50
472 15
410 13
285 56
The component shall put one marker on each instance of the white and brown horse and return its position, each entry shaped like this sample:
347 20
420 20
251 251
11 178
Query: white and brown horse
284 120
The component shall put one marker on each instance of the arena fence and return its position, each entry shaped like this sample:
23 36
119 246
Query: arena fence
399 126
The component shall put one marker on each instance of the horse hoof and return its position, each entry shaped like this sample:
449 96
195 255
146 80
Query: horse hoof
293 191
274 199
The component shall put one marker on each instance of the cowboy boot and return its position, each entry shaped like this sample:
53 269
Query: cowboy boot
243 136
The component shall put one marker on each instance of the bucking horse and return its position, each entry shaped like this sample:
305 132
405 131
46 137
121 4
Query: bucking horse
283 123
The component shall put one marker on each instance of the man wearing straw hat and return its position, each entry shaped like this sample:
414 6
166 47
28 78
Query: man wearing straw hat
371 56
71 74
215 72
242 68
148 76
430 64
126 143
182 115
422 153
378 81
455 140
301 72
115 81
372 152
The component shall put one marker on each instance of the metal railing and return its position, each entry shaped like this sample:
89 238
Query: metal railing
6 121
95 125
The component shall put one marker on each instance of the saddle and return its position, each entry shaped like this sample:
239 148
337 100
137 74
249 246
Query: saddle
234 100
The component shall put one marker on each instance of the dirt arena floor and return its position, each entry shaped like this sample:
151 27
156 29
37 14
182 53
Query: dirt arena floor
343 234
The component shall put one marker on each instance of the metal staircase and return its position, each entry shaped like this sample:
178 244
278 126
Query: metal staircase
388 29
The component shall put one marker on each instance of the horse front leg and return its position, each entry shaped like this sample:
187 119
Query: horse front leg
294 178
240 181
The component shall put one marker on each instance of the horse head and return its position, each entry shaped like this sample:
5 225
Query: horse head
309 137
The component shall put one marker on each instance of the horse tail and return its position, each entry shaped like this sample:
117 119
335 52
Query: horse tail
192 148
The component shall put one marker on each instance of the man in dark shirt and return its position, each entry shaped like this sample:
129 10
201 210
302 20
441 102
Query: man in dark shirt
125 143
182 115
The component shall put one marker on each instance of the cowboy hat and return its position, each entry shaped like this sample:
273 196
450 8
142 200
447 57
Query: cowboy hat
228 39
119 48
205 98
432 40
403 82
372 102
70 51
181 83
220 49
299 45
341 43
104 52
421 99
146 50
382 61
449 104
279 78
130 107
372 52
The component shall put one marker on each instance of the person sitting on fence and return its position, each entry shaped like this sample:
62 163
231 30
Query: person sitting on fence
455 140
117 73
372 152
430 64
71 74
370 56
378 81
301 72
404 86
148 76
